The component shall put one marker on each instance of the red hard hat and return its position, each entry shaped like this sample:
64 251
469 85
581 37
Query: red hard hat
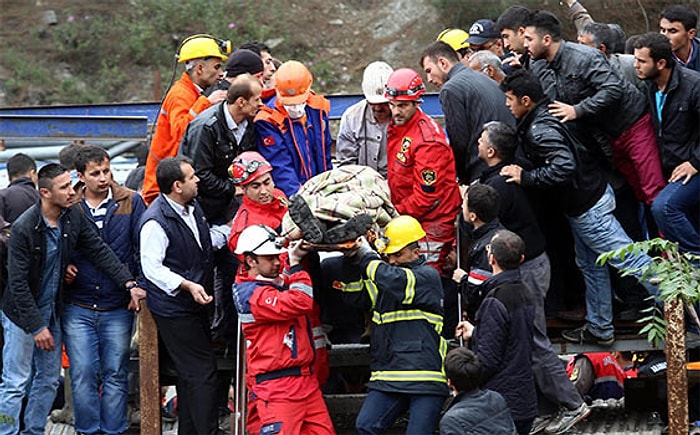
248 166
404 84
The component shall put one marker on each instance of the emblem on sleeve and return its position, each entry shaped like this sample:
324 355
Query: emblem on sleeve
429 176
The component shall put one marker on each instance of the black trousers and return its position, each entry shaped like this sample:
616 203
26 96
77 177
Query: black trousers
188 344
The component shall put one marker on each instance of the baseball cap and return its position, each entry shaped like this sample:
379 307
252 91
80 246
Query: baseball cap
244 61
482 31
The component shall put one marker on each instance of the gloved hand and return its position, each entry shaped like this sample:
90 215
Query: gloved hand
363 247
296 253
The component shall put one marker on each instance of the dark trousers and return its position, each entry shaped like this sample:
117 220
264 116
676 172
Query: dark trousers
188 344
225 323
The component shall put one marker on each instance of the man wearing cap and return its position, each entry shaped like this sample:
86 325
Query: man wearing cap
362 136
242 61
275 312
484 36
294 134
202 57
212 141
469 100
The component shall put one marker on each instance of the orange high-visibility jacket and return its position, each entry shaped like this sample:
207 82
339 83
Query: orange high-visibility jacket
183 102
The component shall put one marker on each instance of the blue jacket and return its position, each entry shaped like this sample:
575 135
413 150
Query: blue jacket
478 412
406 347
183 256
92 288
27 257
299 149
503 341
694 61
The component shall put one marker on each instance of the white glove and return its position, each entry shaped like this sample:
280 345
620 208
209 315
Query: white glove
296 253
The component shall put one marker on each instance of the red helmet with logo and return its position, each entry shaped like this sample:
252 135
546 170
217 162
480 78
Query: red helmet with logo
404 84
247 167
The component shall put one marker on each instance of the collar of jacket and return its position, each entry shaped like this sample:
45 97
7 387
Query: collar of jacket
495 169
485 228
674 79
415 263
556 62
119 192
22 181
525 121
507 276
456 68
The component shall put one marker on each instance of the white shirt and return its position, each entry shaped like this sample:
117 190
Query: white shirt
237 129
154 243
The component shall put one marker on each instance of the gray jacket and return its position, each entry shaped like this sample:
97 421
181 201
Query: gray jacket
581 76
361 139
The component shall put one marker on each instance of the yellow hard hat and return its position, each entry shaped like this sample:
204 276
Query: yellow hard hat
196 47
455 38
400 232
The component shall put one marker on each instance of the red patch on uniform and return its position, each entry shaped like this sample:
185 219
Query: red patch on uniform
337 285
268 141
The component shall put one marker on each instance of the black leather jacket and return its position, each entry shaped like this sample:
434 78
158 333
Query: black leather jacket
679 132
27 257
581 76
560 163
211 144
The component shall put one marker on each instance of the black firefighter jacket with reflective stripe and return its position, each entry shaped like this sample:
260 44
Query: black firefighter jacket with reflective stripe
406 348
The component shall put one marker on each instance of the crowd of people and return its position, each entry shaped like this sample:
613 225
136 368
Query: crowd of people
552 150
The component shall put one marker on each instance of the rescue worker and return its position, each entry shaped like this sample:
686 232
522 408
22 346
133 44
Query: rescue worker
362 134
263 203
275 311
203 58
407 350
457 39
294 135
421 167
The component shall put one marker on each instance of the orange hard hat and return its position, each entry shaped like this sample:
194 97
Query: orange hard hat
293 83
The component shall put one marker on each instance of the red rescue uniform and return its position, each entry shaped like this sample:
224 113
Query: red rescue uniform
277 318
423 181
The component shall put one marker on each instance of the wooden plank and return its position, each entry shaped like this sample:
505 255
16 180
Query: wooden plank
149 376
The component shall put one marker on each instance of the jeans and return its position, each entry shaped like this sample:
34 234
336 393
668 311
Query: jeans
380 409
554 388
597 231
31 371
97 343
676 211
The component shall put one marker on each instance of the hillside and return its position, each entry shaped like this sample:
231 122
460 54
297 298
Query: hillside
76 52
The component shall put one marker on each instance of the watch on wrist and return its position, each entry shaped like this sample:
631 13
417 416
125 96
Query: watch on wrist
131 285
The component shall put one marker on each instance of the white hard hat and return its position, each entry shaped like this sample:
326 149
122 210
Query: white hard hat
259 240
373 81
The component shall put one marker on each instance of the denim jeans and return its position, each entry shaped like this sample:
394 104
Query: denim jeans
597 231
554 388
380 409
97 343
676 211
31 371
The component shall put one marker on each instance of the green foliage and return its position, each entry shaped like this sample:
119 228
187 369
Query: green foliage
97 47
675 273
